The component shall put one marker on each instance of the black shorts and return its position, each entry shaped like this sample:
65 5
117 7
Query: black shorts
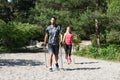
68 49
53 49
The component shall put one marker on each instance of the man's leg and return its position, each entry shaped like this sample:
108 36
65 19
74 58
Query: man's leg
56 52
50 59
50 49
56 58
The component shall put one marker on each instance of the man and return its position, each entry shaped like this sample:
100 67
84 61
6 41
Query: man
53 32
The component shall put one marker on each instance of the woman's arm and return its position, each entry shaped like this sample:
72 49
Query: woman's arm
64 38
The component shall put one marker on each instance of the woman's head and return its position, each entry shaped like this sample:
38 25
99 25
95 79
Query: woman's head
68 29
52 20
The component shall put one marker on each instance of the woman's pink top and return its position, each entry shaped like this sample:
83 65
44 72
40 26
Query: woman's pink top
68 39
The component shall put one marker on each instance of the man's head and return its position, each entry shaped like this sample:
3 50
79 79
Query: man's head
52 20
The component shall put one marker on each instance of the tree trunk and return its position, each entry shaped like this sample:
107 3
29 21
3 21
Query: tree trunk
97 27
97 33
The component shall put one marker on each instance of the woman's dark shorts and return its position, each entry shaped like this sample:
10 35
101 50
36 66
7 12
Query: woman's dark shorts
53 49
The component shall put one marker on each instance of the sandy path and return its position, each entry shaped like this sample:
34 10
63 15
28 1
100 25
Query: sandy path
31 66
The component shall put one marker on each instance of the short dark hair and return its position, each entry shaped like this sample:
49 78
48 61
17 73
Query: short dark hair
54 17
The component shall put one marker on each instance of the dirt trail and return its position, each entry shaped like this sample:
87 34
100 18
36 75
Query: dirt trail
31 66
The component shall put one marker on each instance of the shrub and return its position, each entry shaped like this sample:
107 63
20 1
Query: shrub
17 34
93 39
93 52
111 52
113 37
2 24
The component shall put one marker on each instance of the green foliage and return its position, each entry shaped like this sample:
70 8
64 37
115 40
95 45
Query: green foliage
111 52
93 39
113 37
113 12
4 49
78 14
102 39
17 34
86 23
113 7
2 24
17 10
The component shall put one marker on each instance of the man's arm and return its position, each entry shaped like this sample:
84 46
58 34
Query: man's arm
45 39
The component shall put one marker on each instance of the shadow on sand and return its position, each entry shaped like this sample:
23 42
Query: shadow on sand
19 62
34 50
87 63
72 69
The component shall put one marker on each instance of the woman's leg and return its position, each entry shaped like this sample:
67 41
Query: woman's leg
69 53
65 48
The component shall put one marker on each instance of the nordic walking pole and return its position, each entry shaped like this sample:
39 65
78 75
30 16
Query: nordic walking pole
73 52
61 57
45 58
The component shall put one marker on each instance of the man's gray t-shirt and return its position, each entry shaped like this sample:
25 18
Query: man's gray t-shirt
53 34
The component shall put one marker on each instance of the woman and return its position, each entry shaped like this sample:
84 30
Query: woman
67 41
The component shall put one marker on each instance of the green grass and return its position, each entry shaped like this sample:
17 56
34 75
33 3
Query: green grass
4 49
111 52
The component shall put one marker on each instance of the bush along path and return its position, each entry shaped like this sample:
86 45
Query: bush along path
31 66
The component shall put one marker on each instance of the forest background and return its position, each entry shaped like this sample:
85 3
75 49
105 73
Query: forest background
95 20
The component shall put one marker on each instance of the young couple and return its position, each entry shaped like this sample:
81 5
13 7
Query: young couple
54 38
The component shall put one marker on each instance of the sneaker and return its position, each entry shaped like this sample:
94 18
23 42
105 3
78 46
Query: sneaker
50 69
65 57
69 61
57 66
